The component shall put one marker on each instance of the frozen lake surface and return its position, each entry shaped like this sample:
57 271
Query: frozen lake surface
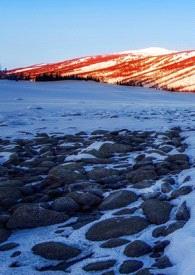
72 106
27 108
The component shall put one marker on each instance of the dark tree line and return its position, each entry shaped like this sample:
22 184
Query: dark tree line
48 77
57 77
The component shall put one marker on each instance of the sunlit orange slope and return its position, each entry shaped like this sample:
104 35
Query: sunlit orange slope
152 67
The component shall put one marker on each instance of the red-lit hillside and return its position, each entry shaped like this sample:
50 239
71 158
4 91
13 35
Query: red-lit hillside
152 67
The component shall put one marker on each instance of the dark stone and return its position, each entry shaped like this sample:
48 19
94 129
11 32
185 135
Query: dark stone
144 271
162 262
137 248
9 196
157 211
114 243
29 216
85 200
166 187
62 174
159 231
101 173
8 246
141 174
118 199
65 204
183 212
55 251
130 266
16 254
98 266
184 190
4 235
166 230
116 227
125 211
109 273
160 246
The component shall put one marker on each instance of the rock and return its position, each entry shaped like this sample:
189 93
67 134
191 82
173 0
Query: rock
4 235
130 266
141 174
184 190
98 266
183 212
166 148
109 273
174 226
178 162
8 246
65 204
62 174
160 246
15 254
107 149
29 216
9 195
4 218
114 243
162 263
85 200
116 227
144 271
166 187
55 250
156 211
178 157
118 199
137 248
166 230
47 164
150 195
159 231
143 184
100 173
125 211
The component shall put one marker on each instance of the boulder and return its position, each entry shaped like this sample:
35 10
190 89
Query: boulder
9 195
162 262
55 251
183 212
29 216
118 199
8 246
62 174
137 248
141 174
156 211
4 235
85 200
98 266
65 204
130 266
116 242
100 173
182 191
116 227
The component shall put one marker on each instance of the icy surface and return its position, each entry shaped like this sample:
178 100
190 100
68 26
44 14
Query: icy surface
72 106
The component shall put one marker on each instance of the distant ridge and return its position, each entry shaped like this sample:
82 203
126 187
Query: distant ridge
151 67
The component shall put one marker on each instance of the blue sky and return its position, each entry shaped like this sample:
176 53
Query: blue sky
35 31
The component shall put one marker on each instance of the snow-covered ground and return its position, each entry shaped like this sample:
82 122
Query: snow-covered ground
72 106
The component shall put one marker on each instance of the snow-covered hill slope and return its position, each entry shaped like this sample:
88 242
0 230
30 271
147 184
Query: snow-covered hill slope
151 67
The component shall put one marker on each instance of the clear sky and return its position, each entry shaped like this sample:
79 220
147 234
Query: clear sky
36 31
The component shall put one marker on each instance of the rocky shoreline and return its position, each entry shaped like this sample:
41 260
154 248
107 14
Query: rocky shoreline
109 201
